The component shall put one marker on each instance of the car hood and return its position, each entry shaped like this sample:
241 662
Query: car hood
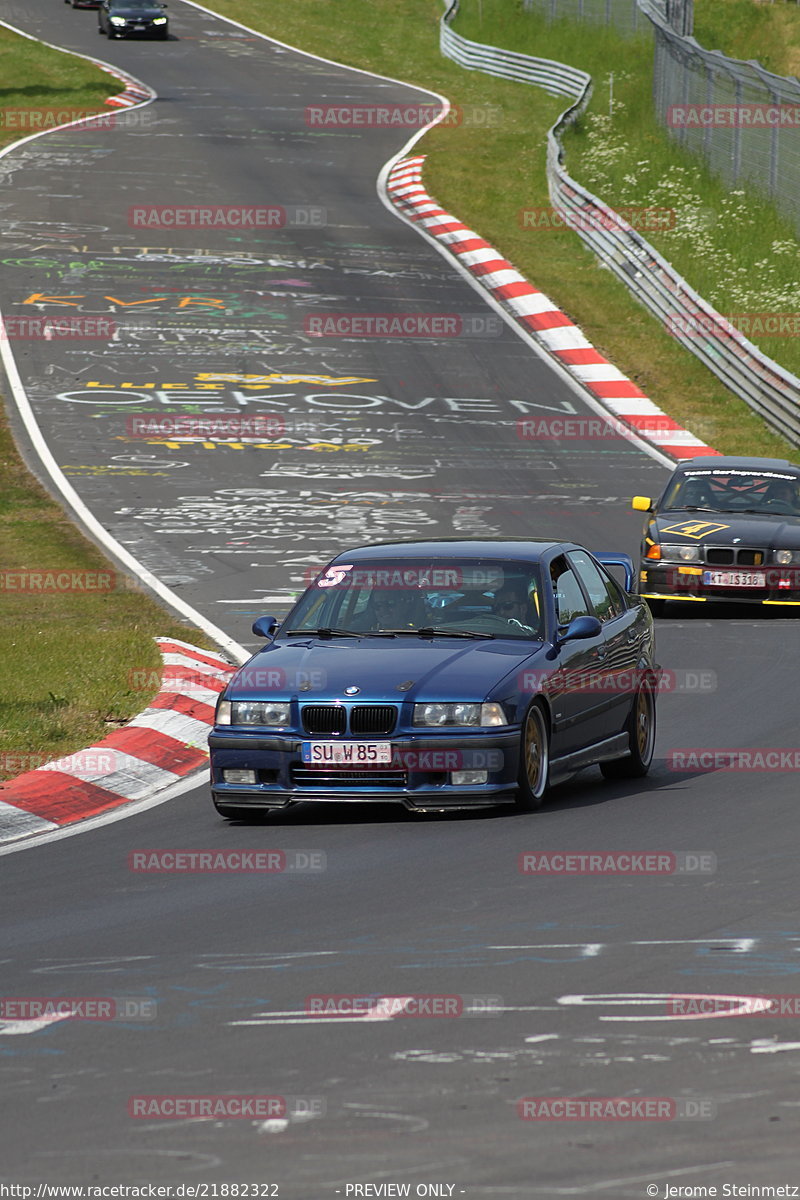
385 670
719 529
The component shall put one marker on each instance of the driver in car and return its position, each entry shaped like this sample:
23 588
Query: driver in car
511 602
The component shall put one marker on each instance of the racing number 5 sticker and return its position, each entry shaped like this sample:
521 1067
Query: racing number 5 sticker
334 575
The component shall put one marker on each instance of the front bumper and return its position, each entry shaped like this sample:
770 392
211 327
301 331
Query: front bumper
669 581
139 29
420 783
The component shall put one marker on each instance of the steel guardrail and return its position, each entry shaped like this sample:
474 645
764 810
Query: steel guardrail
768 388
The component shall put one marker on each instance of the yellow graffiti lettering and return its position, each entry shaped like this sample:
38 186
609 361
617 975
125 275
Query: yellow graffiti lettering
110 387
131 303
40 298
262 380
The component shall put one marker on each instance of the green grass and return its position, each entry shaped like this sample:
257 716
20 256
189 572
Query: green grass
33 77
733 247
767 32
487 176
68 659
75 666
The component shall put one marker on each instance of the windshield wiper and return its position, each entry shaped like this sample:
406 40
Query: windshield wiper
696 508
324 632
430 631
767 512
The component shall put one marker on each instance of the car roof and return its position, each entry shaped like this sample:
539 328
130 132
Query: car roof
720 462
527 549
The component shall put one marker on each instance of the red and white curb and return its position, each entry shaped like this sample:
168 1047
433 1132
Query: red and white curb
135 92
164 743
537 313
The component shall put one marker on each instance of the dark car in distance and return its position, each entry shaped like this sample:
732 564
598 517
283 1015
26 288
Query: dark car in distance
441 675
724 529
121 18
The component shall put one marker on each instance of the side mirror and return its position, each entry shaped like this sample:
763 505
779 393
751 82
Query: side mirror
581 628
642 503
265 627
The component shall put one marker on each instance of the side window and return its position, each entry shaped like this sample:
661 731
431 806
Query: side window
570 601
602 591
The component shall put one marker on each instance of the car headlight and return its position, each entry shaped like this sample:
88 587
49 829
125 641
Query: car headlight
680 553
118 20
159 20
459 714
786 557
266 713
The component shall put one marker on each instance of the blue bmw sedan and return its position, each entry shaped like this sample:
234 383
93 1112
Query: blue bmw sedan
441 675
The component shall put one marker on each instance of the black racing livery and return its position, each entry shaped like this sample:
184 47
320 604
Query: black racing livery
725 528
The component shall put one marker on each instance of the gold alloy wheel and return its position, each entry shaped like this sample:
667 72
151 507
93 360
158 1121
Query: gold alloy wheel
536 753
644 723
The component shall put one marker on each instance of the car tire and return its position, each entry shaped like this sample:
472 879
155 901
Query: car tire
641 729
534 760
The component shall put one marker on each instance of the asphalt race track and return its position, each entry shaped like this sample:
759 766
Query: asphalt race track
388 438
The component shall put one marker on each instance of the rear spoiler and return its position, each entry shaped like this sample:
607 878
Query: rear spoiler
620 560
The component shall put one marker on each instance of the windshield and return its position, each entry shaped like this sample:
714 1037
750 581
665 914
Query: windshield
768 492
128 4
499 599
